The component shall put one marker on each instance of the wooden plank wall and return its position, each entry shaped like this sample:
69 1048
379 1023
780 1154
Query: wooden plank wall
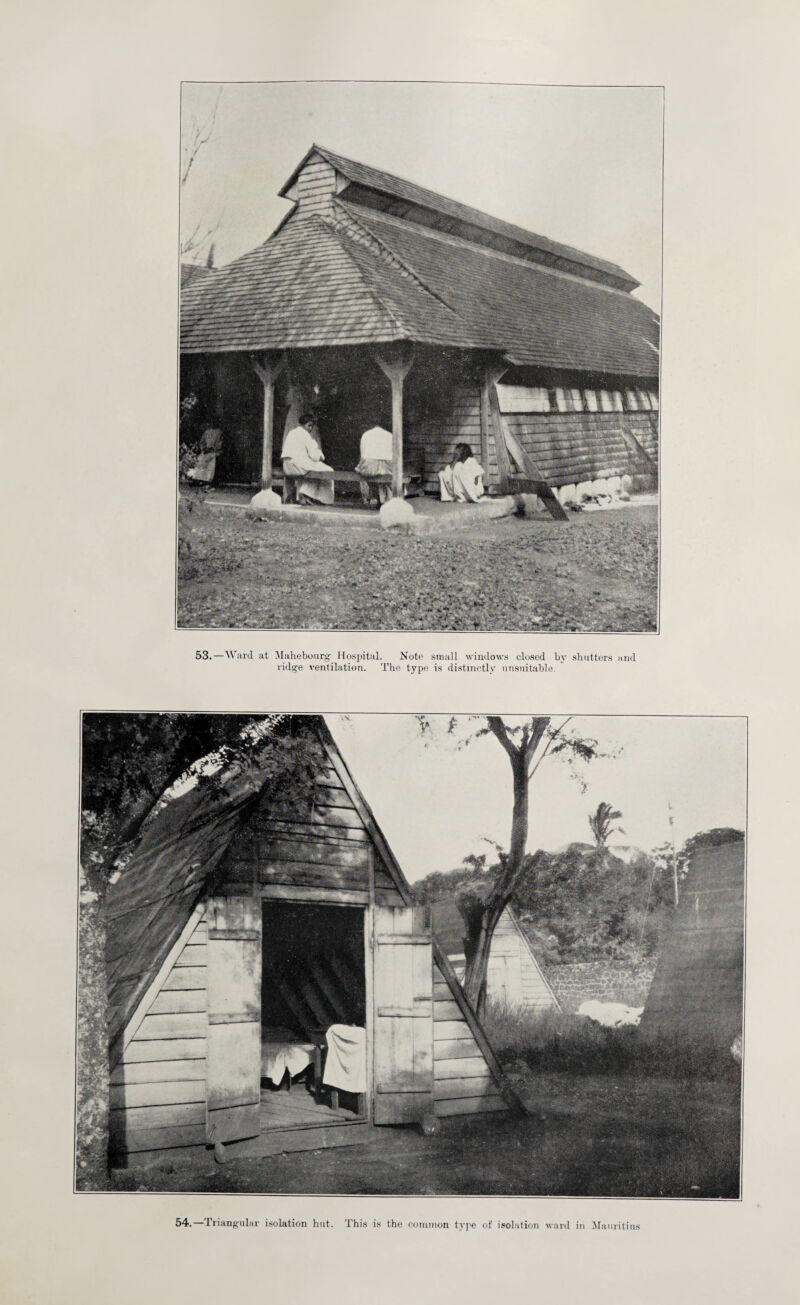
535 994
462 1080
315 185
324 845
436 442
158 1090
570 447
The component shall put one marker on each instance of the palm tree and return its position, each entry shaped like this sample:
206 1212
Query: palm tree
602 823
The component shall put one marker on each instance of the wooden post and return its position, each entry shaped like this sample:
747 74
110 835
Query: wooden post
396 367
268 372
485 424
490 408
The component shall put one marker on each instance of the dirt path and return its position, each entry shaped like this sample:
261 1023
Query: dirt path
596 573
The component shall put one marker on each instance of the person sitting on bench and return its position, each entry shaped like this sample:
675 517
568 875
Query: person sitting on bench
463 481
375 464
304 464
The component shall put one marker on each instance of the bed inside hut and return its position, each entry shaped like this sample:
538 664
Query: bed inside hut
313 1016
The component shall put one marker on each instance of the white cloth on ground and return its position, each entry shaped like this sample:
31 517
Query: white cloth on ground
611 1014
281 1049
302 449
462 483
346 1061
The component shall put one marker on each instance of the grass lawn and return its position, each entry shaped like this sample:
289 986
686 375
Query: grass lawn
605 1117
603 1135
596 572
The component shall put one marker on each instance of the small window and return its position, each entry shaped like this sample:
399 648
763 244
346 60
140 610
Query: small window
644 399
654 401
591 400
632 400
523 398
606 404
569 400
617 401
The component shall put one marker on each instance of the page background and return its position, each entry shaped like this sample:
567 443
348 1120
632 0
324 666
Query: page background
89 254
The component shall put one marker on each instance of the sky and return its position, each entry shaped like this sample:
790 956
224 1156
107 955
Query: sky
581 165
436 804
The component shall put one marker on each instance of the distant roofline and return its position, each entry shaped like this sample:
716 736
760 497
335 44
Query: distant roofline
437 202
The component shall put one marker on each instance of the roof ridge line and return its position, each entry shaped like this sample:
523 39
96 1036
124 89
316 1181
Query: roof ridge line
449 237
415 276
578 255
390 312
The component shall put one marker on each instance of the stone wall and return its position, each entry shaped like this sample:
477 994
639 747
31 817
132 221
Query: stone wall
599 981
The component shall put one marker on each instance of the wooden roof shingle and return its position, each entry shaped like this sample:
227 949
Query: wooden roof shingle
376 183
353 275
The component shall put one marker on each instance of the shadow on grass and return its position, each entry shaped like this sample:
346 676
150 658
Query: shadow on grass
620 1116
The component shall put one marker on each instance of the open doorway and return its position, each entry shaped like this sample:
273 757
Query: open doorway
313 1016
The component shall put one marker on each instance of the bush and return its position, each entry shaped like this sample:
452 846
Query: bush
557 1042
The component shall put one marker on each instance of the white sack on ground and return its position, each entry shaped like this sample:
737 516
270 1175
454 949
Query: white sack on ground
611 1014
346 1062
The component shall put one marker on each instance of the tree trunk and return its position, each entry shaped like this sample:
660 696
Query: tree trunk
477 946
482 918
91 1141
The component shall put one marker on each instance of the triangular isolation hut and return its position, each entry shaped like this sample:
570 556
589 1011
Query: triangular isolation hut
243 929
696 995
514 977
377 302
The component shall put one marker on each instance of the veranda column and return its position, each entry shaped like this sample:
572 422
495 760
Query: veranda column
268 372
395 366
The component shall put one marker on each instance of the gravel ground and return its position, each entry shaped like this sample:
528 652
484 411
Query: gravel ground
597 572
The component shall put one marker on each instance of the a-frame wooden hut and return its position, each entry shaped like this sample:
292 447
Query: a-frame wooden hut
236 915
696 995
514 977
378 302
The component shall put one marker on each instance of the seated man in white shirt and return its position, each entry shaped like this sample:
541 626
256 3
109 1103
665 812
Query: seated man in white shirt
375 460
302 456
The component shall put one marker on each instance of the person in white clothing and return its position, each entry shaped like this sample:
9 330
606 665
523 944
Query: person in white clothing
302 456
375 459
463 481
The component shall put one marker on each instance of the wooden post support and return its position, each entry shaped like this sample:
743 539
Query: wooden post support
268 372
491 375
395 366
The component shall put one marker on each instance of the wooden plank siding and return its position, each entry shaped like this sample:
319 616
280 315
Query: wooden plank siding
514 977
570 447
315 185
158 1089
462 1080
433 443
322 845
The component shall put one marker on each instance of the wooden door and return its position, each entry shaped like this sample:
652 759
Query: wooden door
234 1018
403 1014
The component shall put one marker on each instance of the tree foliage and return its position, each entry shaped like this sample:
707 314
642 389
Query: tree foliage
197 133
130 763
528 742
604 822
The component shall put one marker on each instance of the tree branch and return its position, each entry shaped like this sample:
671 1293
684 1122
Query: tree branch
497 726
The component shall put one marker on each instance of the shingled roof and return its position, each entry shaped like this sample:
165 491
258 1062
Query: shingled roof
346 273
372 187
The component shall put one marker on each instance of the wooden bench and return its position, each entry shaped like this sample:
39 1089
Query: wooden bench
412 481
